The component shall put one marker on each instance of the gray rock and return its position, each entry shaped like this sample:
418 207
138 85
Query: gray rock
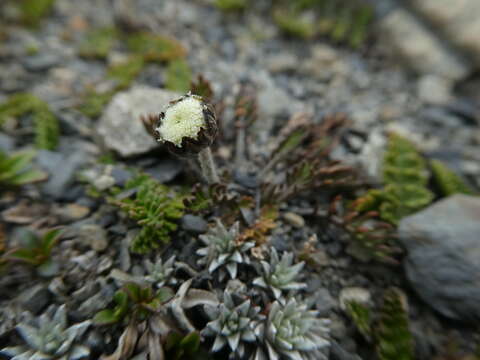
61 168
355 294
6 142
294 219
324 302
419 47
194 224
339 353
443 263
35 299
93 235
459 23
121 176
120 126
41 62
166 170
435 90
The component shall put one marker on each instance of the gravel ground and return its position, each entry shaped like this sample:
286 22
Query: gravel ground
372 86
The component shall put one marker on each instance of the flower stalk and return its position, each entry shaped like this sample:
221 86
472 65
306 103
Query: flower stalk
207 165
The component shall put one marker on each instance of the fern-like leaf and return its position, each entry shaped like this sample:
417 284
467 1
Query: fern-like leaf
46 123
447 181
394 339
155 207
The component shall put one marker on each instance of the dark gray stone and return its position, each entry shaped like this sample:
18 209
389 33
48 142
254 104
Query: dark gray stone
61 168
338 353
41 62
443 262
35 299
166 170
324 301
6 143
194 224
121 176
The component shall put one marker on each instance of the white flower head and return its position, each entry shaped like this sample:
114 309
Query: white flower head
183 118
186 127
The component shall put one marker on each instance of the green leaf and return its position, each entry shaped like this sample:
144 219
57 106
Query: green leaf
34 10
231 5
12 165
28 177
154 47
125 73
50 239
106 317
134 291
121 299
447 181
394 339
164 294
190 343
98 43
23 255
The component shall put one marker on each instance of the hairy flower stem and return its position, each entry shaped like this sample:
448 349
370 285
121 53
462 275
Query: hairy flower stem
208 166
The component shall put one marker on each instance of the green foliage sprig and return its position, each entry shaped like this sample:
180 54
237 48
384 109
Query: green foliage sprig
135 302
447 181
231 5
153 47
393 336
36 251
361 316
342 21
97 43
34 10
46 123
179 76
179 347
16 170
405 175
155 207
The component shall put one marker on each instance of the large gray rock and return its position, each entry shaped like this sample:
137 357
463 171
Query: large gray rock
459 23
419 47
443 262
120 125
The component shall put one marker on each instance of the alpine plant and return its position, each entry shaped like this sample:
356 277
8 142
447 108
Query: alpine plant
160 273
223 250
233 324
279 274
50 337
293 332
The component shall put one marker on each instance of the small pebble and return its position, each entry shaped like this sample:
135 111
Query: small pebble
356 294
294 219
194 224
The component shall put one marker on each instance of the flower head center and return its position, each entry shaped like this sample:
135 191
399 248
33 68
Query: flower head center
184 118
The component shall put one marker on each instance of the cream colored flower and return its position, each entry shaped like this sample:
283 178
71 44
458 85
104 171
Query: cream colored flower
184 118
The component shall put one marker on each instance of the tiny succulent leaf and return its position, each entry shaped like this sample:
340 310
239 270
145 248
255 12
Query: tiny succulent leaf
279 274
223 250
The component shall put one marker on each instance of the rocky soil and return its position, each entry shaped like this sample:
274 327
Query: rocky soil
415 76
